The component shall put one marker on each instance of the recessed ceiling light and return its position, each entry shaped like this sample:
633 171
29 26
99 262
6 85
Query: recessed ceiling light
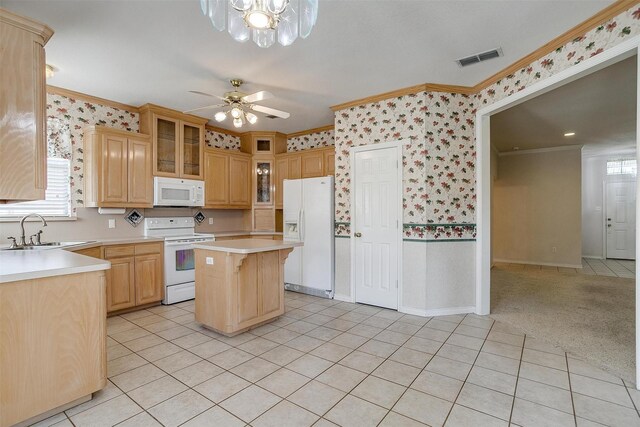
569 134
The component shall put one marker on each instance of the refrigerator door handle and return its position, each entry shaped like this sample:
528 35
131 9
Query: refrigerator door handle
301 225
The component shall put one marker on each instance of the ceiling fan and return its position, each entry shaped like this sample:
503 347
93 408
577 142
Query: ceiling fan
239 105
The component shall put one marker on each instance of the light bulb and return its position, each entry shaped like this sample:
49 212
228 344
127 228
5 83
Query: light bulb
251 118
236 112
258 19
49 71
220 116
237 123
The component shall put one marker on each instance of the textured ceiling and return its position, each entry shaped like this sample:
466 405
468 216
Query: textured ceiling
600 108
142 51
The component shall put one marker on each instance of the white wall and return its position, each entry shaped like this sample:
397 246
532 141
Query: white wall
536 208
594 176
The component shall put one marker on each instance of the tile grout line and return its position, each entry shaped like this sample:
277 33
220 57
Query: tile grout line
515 389
573 405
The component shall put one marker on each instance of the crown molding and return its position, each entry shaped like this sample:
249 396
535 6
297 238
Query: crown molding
540 150
54 90
28 24
310 131
579 30
428 87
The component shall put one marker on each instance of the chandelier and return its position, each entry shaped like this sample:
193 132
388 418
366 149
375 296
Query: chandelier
263 20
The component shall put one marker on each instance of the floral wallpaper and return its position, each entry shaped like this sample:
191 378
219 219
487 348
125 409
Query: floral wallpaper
71 116
312 140
221 140
439 196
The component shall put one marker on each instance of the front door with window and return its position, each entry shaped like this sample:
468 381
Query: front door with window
621 220
375 226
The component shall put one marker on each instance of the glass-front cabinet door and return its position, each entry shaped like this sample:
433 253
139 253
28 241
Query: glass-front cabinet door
192 149
263 182
166 150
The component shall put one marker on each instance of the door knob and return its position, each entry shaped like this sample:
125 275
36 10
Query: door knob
608 225
358 234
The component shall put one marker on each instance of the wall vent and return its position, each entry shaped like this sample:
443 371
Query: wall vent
479 57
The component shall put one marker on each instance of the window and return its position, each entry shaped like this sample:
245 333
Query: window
58 195
622 167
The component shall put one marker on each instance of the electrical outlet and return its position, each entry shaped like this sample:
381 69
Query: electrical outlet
210 221
554 249
112 223
209 260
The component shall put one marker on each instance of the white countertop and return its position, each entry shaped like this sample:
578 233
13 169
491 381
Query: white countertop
247 246
36 264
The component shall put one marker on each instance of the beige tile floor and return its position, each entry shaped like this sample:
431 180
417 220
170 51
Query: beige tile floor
590 266
328 363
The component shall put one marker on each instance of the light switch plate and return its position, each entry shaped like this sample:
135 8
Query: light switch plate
112 223
209 260
210 221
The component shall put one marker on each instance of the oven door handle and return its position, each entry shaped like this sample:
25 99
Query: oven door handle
189 243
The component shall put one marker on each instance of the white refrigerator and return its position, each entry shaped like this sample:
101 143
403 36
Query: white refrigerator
308 217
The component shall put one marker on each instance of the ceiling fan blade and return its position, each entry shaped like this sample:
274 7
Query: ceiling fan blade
271 111
204 108
258 96
197 92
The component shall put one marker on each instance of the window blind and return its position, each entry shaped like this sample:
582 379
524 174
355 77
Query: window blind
622 167
57 197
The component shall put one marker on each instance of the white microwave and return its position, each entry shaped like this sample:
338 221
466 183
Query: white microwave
177 192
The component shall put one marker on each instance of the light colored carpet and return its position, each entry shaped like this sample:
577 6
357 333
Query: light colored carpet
589 316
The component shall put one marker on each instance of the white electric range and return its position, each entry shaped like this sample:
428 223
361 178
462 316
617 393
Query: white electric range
179 261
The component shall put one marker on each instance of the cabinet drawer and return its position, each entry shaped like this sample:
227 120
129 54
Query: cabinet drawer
92 252
118 251
148 248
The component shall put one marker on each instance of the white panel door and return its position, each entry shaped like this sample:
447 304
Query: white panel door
621 220
375 227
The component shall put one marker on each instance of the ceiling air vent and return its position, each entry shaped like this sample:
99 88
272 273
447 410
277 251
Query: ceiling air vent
479 57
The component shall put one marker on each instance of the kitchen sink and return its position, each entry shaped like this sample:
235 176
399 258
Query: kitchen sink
48 245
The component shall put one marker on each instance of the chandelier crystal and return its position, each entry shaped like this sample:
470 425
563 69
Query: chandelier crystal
263 20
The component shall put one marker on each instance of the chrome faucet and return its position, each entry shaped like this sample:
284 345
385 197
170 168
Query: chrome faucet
22 237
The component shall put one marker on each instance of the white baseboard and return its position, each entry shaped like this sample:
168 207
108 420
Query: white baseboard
437 311
550 264
593 256
344 298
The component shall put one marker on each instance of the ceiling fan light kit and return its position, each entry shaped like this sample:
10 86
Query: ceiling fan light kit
263 20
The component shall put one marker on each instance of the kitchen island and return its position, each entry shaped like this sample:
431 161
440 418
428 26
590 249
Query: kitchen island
52 332
240 283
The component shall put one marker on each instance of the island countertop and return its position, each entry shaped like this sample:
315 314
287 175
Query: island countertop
247 246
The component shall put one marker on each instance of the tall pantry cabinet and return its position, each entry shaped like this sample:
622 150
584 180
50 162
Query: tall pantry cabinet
23 104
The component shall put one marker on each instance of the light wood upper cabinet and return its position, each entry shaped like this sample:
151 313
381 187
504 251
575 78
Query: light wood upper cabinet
329 162
282 173
312 164
117 168
294 169
140 172
23 142
177 140
240 184
226 176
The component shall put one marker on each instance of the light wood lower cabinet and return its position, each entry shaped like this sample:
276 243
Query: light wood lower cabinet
136 275
53 349
148 273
